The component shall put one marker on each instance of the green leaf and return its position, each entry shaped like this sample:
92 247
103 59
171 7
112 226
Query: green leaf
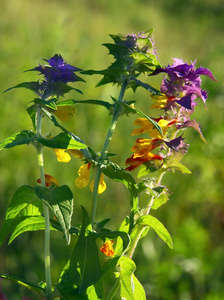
130 109
60 201
147 87
29 224
174 163
158 227
23 204
131 288
95 102
17 139
62 141
116 173
83 269
35 288
60 88
32 85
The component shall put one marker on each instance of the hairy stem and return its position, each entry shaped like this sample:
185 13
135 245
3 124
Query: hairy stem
46 211
104 151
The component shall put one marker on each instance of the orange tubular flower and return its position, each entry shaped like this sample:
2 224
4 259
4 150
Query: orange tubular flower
135 162
49 180
107 248
142 146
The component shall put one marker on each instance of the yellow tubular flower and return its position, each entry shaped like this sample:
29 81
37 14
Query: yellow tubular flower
145 125
62 156
83 179
164 124
76 153
102 185
160 101
64 112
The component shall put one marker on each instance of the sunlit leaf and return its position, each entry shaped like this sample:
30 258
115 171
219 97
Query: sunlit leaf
35 288
62 141
24 204
29 224
131 288
174 163
17 139
158 227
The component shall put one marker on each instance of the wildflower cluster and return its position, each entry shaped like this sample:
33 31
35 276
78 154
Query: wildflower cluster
161 150
179 92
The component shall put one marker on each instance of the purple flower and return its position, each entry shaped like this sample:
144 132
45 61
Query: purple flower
58 71
184 82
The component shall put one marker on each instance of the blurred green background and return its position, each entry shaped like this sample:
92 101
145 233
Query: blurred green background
187 29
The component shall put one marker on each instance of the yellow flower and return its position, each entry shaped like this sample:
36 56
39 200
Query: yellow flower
84 173
64 112
102 185
145 125
107 248
49 180
164 124
83 179
63 155
160 101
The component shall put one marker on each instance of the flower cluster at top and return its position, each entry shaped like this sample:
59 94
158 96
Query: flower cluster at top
179 92
55 76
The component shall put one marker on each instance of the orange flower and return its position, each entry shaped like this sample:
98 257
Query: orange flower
107 248
135 162
49 180
142 146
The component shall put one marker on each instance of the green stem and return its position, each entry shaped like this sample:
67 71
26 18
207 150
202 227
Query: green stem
114 290
46 211
135 241
104 151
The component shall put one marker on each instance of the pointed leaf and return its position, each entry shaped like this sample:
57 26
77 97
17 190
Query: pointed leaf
116 173
174 163
130 109
17 139
32 85
35 288
158 227
83 269
62 141
60 201
23 204
29 224
131 288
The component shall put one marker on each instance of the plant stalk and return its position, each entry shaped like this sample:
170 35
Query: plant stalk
104 151
46 211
